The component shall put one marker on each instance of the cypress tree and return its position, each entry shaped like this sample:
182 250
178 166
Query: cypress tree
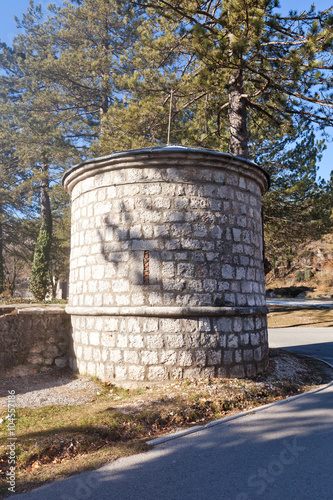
40 276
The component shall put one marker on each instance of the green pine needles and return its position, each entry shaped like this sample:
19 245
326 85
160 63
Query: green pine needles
39 278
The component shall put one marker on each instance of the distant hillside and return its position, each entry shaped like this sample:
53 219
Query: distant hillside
309 273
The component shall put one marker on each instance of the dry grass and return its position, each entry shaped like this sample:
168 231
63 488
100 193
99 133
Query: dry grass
283 316
57 441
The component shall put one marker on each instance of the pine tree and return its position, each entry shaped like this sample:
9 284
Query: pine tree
39 126
62 71
15 207
257 60
298 206
87 44
162 80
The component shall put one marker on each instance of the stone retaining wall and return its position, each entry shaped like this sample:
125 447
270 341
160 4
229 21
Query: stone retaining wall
34 340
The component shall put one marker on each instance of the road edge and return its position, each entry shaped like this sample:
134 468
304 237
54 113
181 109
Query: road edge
179 434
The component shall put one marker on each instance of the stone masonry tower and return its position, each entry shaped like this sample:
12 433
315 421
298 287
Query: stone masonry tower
166 270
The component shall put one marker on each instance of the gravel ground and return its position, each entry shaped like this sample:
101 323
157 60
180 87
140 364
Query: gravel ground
59 387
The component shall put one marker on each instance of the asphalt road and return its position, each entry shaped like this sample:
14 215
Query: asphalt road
316 342
301 302
282 451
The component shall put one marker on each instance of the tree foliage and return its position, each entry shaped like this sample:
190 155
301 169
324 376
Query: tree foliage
94 76
255 59
38 128
298 206
16 207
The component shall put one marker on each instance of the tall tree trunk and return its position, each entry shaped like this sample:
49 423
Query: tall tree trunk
238 144
11 282
46 216
2 279
46 213
102 113
105 101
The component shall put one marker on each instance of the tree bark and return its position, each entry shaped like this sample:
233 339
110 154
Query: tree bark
238 144
46 213
102 113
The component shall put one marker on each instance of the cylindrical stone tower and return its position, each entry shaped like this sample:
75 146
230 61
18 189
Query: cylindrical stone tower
166 269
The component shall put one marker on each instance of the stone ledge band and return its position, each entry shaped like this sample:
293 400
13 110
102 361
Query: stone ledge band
168 312
164 157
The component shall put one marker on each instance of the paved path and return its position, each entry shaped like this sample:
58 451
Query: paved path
317 342
282 451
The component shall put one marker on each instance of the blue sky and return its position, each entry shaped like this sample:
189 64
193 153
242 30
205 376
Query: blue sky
10 8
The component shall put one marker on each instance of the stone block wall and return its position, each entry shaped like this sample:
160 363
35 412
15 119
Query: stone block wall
199 224
34 340
134 351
